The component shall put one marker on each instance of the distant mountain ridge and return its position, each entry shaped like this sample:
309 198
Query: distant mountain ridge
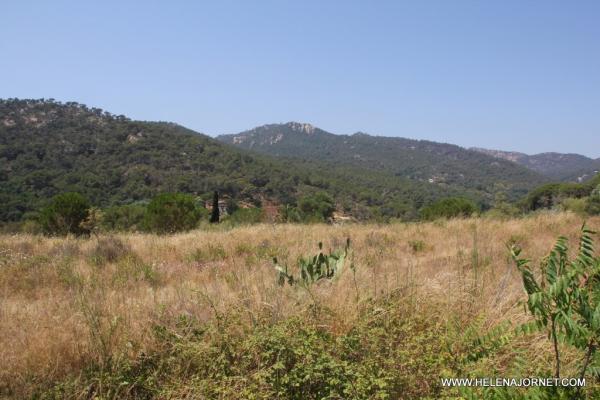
558 166
442 164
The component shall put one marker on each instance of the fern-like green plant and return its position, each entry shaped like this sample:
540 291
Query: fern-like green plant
565 298
313 269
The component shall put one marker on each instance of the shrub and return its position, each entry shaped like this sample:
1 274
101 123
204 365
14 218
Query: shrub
503 211
416 245
578 206
563 299
128 217
551 194
65 214
592 205
247 216
289 213
171 212
317 207
452 207
109 249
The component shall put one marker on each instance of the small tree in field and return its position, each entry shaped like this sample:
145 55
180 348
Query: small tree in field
65 215
171 212
215 214
564 299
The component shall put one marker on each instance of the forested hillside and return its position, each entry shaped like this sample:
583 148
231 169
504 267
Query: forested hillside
439 164
47 148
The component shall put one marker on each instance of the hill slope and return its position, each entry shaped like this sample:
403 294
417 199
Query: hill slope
48 147
558 166
421 161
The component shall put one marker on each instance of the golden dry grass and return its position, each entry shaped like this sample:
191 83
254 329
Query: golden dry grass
62 308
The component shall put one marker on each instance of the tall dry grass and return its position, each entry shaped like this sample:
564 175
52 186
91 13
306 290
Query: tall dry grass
66 303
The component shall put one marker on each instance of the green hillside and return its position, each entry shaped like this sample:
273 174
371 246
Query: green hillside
442 165
48 148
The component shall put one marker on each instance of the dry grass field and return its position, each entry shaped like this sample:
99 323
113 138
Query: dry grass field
201 315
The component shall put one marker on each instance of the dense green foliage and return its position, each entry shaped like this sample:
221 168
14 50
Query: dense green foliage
243 216
47 148
65 215
592 206
317 207
171 212
449 208
552 194
421 162
128 217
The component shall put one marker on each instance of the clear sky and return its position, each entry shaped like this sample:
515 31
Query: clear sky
513 75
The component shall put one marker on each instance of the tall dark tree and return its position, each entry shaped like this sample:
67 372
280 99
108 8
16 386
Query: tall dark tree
214 216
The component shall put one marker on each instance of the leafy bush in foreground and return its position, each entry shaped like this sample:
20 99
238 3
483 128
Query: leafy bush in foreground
385 355
565 299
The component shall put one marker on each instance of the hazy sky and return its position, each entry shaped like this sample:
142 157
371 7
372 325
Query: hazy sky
514 75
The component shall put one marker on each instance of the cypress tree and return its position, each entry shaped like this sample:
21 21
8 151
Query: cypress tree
214 216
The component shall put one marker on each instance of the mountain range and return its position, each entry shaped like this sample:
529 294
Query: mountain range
440 164
48 147
557 166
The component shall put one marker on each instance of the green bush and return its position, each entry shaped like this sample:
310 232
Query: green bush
171 212
577 206
65 215
317 207
551 194
124 218
108 250
452 207
592 205
247 216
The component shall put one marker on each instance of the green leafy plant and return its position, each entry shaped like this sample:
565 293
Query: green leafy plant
129 217
565 298
416 245
65 215
313 269
592 205
171 212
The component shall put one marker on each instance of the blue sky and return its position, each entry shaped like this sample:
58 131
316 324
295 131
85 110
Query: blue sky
514 75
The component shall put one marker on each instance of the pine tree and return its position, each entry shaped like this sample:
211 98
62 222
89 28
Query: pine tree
214 216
